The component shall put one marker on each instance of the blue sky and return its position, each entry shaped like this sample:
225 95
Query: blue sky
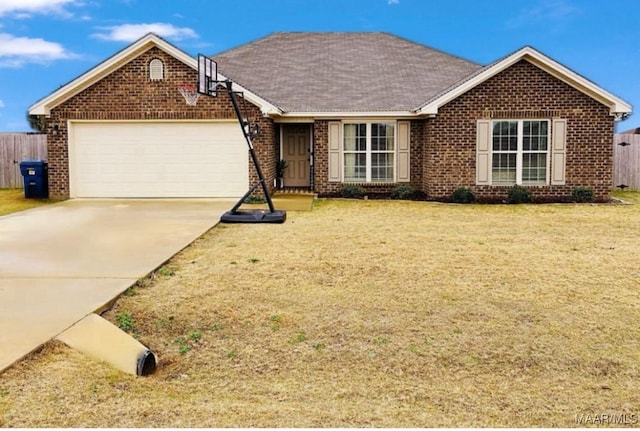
46 43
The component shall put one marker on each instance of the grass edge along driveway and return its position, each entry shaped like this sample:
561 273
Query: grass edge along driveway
13 200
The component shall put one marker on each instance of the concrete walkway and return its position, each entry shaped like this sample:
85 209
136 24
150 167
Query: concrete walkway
61 262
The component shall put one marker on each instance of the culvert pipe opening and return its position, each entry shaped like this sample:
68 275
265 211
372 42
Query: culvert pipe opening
102 340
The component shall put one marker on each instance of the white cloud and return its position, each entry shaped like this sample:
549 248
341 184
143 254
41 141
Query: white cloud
544 11
132 32
1 104
393 1
17 51
28 8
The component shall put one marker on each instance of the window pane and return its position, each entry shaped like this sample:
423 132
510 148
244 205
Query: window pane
505 145
543 144
535 135
355 138
350 137
544 127
391 136
504 168
382 166
355 167
375 137
534 167
513 143
497 134
505 136
382 137
362 137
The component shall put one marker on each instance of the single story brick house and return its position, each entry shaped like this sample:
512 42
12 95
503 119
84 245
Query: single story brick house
370 109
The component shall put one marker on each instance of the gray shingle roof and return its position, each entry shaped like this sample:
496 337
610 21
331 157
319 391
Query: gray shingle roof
346 72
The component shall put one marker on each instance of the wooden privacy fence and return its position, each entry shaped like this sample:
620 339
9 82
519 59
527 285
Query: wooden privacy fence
626 161
15 147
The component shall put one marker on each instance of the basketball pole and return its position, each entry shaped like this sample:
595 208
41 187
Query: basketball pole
247 136
207 84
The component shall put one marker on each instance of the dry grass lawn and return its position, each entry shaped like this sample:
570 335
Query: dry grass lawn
13 200
371 313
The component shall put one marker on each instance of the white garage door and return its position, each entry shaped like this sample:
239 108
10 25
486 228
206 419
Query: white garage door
157 159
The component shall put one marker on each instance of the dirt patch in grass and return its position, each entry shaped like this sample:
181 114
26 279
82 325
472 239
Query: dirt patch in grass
370 313
13 200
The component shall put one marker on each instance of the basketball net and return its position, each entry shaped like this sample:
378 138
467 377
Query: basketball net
189 93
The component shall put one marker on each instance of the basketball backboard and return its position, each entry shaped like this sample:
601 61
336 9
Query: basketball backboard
207 76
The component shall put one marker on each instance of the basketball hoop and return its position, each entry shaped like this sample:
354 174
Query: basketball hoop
189 93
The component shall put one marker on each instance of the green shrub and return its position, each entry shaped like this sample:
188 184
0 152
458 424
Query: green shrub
582 194
351 191
403 192
463 195
518 195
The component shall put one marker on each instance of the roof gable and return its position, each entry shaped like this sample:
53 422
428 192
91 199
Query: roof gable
147 42
616 105
82 82
345 74
342 72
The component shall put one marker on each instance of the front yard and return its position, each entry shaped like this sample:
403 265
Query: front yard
13 200
371 313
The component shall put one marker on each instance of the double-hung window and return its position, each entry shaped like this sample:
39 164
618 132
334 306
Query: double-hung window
369 152
520 152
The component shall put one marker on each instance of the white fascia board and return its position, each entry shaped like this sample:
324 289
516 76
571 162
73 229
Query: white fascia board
291 119
616 105
347 114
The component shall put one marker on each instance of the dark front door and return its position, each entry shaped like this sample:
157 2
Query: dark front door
296 151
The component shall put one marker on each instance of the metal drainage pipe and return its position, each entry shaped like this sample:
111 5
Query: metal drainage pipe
102 340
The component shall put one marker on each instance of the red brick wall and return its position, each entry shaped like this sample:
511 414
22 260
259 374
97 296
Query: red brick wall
321 158
128 94
321 165
443 149
520 92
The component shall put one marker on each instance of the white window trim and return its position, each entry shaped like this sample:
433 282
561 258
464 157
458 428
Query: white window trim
520 152
369 151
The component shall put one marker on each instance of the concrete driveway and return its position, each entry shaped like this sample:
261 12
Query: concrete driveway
61 262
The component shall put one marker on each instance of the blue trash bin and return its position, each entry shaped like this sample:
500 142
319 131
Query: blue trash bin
36 178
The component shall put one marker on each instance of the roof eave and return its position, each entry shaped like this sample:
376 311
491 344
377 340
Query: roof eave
347 114
82 82
617 106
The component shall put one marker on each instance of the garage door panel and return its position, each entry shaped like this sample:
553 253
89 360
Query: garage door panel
158 160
